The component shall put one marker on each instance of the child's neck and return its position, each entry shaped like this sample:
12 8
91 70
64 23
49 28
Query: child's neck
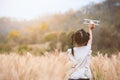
76 45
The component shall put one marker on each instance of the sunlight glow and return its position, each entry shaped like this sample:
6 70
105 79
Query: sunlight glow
29 9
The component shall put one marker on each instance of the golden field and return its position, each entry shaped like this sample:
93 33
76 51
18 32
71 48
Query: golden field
54 66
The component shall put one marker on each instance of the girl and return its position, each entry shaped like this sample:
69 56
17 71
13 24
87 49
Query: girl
80 54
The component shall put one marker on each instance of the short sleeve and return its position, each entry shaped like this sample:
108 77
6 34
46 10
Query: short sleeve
88 46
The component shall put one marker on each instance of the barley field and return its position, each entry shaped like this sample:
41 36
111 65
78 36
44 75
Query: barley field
52 66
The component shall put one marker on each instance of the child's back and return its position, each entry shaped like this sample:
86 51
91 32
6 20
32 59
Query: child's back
80 55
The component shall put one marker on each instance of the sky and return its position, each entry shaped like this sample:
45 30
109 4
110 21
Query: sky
30 9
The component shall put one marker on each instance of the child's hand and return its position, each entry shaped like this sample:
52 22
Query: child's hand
91 26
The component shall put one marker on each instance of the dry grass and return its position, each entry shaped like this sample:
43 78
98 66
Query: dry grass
104 68
54 67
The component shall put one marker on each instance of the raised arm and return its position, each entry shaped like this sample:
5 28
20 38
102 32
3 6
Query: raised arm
91 27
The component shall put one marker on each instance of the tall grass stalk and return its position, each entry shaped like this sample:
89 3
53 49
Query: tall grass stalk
54 67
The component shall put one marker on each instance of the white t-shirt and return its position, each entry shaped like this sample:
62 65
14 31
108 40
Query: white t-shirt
80 53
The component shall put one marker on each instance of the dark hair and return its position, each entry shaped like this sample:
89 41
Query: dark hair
80 37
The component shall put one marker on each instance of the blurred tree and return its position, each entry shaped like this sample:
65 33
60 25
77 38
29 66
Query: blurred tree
44 26
13 36
50 37
38 31
63 39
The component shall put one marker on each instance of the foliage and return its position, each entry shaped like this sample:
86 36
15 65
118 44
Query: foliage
5 48
50 37
57 29
23 49
13 34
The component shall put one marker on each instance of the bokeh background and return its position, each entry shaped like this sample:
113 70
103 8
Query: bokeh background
37 26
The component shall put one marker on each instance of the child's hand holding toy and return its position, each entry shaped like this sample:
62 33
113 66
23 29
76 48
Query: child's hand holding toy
92 25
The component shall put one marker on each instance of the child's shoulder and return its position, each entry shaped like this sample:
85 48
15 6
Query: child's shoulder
69 51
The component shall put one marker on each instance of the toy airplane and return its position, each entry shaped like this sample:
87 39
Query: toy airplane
90 21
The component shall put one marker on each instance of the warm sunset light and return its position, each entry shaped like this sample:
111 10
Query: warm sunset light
59 39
